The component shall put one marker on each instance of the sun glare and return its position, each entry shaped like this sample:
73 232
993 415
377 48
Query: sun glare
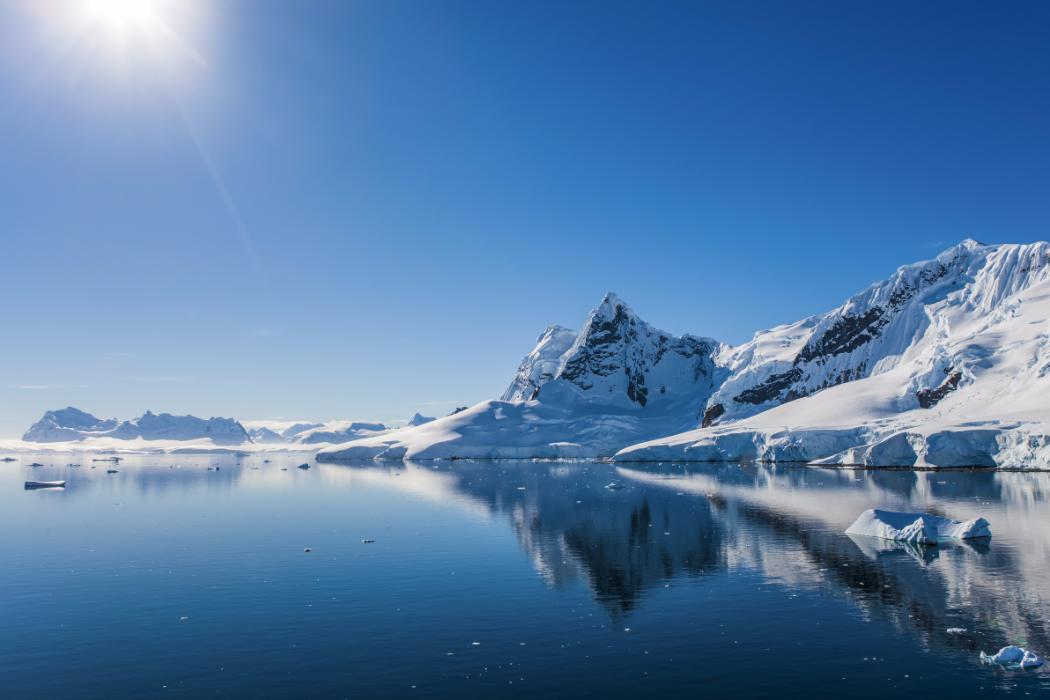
125 19
134 34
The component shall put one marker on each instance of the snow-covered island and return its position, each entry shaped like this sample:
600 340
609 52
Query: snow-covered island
72 429
944 364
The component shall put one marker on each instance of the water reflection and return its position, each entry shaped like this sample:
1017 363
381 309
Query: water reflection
785 524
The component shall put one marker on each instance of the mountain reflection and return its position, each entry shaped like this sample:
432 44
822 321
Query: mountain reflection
786 524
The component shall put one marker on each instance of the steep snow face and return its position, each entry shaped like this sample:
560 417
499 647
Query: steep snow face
968 389
67 424
582 394
889 323
541 365
617 359
72 424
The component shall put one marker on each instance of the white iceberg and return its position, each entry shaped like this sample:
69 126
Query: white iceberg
921 528
1013 658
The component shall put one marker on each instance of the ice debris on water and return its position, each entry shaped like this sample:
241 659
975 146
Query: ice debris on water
307 549
1013 658
920 528
29 485
614 486
956 630
369 541
304 466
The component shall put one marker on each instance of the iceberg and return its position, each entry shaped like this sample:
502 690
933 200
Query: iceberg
1013 658
919 528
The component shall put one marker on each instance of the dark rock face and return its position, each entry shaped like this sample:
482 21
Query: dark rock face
852 331
928 398
849 332
712 414
771 388
600 354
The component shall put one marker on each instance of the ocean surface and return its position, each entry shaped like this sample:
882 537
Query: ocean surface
189 576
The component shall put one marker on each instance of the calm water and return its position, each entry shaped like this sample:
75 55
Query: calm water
508 580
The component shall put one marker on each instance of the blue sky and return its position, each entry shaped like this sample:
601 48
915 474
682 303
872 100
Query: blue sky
364 209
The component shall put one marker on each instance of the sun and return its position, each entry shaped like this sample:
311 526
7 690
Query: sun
127 18
136 36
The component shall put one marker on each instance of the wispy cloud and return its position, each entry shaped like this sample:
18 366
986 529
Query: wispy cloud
47 387
162 379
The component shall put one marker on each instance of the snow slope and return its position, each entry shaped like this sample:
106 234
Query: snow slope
946 364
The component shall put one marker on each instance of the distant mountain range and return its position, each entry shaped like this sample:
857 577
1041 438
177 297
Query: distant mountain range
74 425
69 424
945 363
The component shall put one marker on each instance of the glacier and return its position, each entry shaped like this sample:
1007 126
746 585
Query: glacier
944 364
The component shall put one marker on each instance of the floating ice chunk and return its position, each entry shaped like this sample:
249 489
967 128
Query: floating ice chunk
921 528
614 486
304 466
45 485
956 630
1014 658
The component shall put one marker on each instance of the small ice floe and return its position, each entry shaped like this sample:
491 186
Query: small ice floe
956 630
8 459
368 541
307 549
920 528
1013 658
36 464
304 466
111 471
614 486
45 485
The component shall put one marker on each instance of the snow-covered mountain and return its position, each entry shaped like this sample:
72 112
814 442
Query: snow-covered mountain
945 363
340 431
68 424
541 365
72 424
276 432
419 419
618 380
